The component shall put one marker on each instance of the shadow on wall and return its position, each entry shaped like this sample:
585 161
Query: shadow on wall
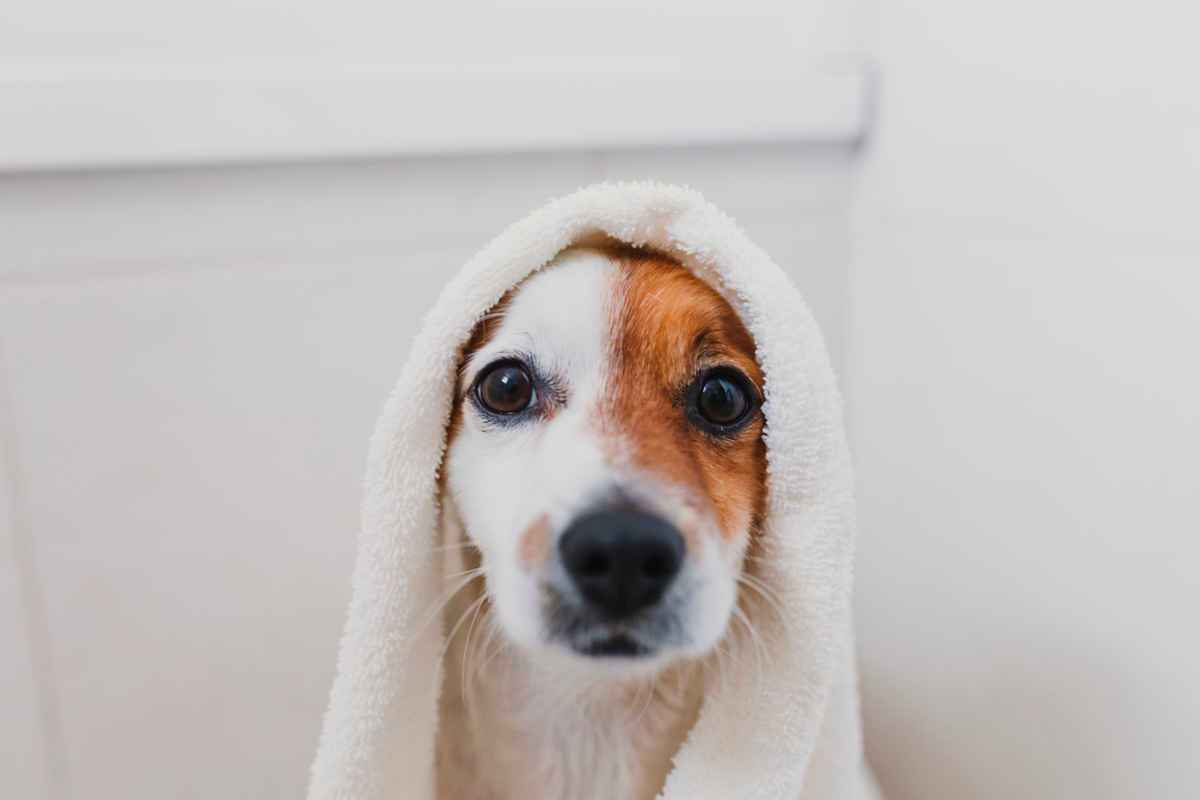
1047 706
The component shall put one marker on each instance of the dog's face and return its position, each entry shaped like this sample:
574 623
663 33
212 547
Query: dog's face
606 458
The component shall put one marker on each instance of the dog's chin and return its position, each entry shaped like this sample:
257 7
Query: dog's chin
615 645
623 650
615 656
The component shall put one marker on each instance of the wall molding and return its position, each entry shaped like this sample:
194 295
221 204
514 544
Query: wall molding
51 122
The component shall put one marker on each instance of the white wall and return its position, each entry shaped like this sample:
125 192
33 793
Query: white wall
192 362
1025 401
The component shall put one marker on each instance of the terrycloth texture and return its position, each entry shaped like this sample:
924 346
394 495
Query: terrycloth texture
791 731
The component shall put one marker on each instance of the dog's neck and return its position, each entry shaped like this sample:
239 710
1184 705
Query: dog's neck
513 728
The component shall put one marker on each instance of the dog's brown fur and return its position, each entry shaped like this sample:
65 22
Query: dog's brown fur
668 327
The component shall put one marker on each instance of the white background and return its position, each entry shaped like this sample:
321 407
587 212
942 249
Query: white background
192 358
1026 394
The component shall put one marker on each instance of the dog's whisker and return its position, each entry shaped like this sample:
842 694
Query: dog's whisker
466 656
440 604
742 616
493 645
465 573
723 654
756 641
472 681
759 588
649 700
461 619
635 701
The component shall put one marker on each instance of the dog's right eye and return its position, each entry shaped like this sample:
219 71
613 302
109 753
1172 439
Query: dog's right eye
505 388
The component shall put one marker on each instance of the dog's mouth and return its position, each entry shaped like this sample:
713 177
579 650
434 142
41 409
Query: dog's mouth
581 630
617 646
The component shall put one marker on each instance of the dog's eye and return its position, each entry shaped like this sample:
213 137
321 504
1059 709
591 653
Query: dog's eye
723 399
506 388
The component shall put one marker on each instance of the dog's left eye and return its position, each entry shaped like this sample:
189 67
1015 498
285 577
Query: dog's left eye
722 400
505 388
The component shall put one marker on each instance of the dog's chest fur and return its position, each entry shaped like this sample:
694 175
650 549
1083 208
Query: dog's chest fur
521 741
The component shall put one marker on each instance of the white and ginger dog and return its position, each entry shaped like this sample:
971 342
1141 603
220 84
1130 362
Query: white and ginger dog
603 483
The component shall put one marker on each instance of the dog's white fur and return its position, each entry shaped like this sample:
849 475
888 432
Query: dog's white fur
523 716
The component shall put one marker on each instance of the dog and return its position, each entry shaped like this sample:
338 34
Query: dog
603 483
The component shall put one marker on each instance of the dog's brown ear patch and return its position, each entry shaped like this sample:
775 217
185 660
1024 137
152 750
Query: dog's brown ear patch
485 330
668 326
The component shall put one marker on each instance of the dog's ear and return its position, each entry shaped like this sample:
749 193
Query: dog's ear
483 332
487 326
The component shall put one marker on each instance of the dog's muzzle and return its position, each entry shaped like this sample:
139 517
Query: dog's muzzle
620 566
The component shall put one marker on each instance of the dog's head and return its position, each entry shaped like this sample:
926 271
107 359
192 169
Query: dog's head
606 458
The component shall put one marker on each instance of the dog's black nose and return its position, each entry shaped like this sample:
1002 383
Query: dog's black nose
621 560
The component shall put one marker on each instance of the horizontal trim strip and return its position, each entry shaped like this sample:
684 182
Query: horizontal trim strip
63 122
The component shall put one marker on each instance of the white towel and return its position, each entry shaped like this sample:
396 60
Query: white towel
790 733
